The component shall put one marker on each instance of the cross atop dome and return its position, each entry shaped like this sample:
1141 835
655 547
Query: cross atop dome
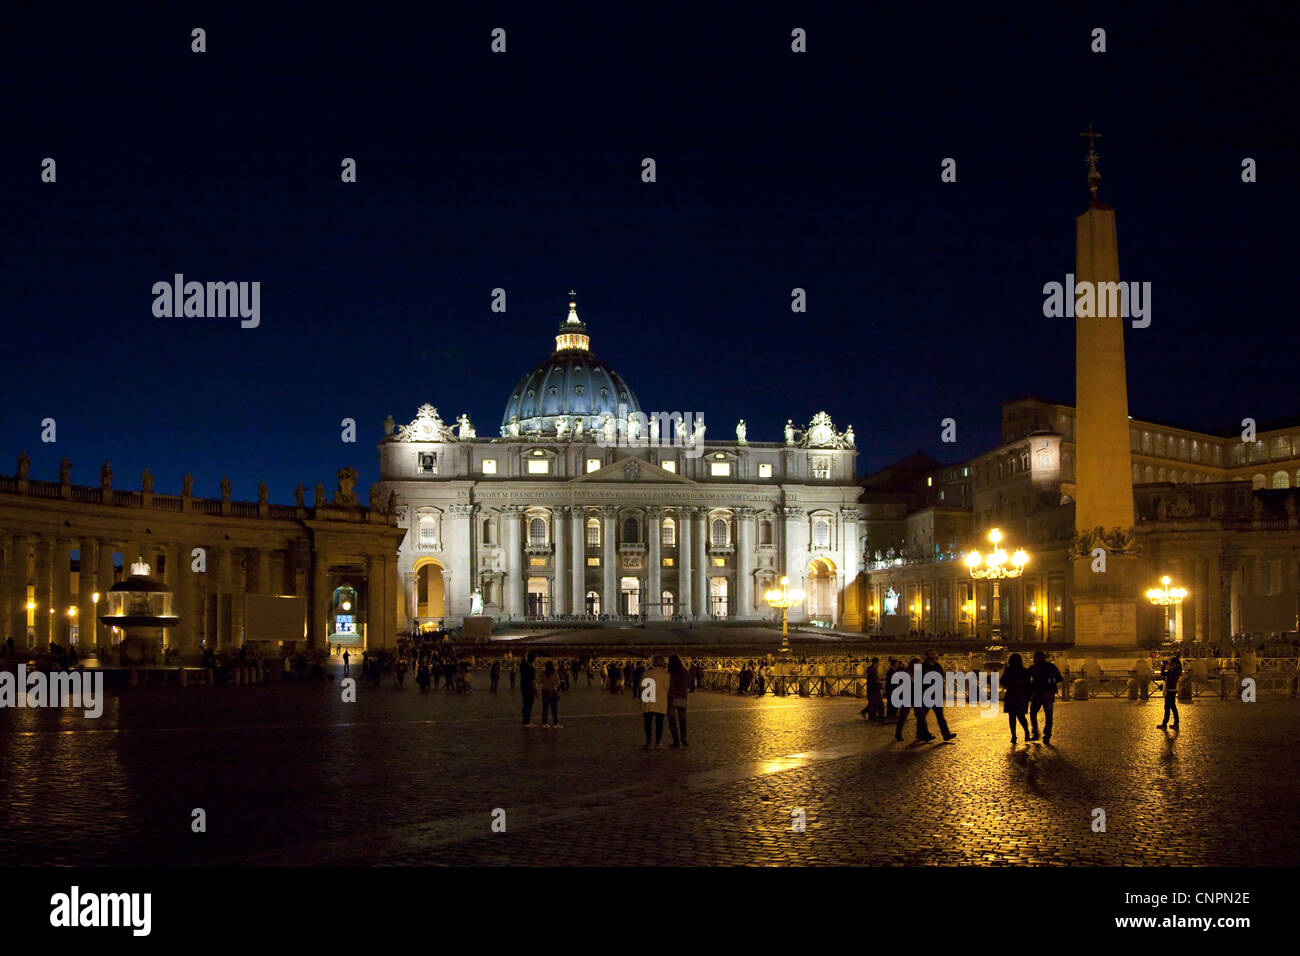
572 329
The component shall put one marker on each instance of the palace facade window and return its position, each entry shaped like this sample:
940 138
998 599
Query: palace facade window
669 533
593 532
631 531
537 531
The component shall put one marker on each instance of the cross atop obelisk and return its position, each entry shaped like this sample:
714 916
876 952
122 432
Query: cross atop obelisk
1094 177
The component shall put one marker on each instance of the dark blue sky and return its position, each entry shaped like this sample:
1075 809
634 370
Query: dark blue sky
522 171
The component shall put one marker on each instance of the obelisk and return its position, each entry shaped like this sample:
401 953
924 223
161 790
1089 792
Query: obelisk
1106 573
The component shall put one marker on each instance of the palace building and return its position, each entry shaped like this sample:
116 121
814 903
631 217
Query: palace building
586 505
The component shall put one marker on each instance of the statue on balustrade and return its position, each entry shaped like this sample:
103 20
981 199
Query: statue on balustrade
146 482
741 431
300 495
374 496
24 466
225 489
65 471
263 492
320 494
346 491
106 476
187 485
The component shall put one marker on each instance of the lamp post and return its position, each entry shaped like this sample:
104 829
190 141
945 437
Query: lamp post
1167 597
785 599
996 568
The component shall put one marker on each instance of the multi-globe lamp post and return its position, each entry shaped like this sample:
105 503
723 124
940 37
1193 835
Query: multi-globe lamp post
785 599
996 566
1168 598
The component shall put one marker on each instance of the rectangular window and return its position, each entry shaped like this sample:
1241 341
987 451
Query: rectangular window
668 562
593 562
537 562
765 470
719 562
720 469
489 466
539 466
593 464
669 466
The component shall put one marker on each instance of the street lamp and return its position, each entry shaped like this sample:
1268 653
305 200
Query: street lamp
996 568
1167 597
785 599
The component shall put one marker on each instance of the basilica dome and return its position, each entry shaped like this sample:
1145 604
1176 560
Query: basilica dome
572 385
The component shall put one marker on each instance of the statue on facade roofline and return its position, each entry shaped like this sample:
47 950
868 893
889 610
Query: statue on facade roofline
187 485
578 425
374 496
789 431
680 425
320 494
389 426
699 429
263 492
514 426
848 436
300 495
466 430
225 489
146 482
741 431
391 507
609 428
346 491
562 426
65 471
105 474
24 466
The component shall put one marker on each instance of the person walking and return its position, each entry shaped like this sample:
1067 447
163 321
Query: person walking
1044 678
891 708
494 676
931 665
345 663
875 707
528 686
550 694
1170 672
901 697
679 685
654 691
1016 682
512 676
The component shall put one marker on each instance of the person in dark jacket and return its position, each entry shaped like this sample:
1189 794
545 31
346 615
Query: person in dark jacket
905 705
931 665
1044 679
1015 681
528 685
494 676
1170 672
875 708
679 685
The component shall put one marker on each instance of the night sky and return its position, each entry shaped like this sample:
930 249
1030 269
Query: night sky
522 171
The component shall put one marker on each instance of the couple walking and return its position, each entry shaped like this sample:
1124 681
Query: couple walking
1024 686
663 694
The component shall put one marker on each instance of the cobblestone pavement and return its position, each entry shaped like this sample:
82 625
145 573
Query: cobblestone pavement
292 775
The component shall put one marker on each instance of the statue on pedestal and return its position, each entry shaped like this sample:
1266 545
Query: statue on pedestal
146 482
374 496
25 466
389 426
476 603
654 429
741 431
391 507
300 495
466 430
105 473
699 430
65 471
225 489
345 494
320 494
789 431
578 425
187 485
848 436
562 427
609 428
263 492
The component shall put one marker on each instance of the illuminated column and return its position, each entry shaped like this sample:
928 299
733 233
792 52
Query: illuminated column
411 588
43 596
559 586
19 553
105 578
511 515
377 602
653 525
239 581
85 595
221 558
683 604
609 595
790 545
61 599
181 579
460 583
744 606
318 633
577 527
700 532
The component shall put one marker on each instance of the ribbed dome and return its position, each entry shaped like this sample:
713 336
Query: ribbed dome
572 382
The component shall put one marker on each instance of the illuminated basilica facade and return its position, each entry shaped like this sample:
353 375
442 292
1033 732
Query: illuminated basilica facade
587 506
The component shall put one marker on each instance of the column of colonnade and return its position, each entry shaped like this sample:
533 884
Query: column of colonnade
744 606
19 566
559 561
43 597
609 570
87 625
512 517
683 604
700 537
654 580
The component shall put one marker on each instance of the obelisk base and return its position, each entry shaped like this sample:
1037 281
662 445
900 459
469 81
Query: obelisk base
1105 602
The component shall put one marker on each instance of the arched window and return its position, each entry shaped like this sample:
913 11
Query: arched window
593 532
821 533
765 532
593 602
668 604
428 531
630 531
719 532
1280 480
1257 482
487 530
1149 474
537 531
669 533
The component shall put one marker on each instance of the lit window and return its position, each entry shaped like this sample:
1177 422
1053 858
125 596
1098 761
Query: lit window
537 562
929 482
428 531
670 466
593 562
720 469
593 464
669 533
821 533
719 532
719 562
765 470
668 562
537 531
539 466
668 603
593 532
489 466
